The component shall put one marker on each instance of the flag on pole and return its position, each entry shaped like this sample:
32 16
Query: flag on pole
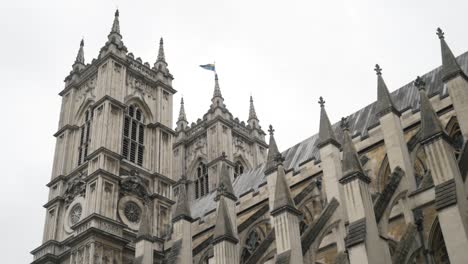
210 67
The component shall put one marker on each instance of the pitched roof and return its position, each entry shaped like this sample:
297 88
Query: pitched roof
407 97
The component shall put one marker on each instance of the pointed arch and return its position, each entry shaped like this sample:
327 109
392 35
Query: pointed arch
454 132
140 102
80 113
253 238
311 206
200 177
436 244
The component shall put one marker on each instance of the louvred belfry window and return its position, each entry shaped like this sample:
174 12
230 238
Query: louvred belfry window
201 183
133 135
85 130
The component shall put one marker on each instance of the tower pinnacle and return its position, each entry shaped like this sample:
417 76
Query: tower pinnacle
161 56
384 100
252 113
114 34
450 66
326 134
430 123
182 116
350 163
217 100
273 152
80 56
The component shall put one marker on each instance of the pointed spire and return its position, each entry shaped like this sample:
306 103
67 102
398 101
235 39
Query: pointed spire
224 229
182 210
384 100
161 56
450 66
80 56
116 24
114 35
430 123
350 163
225 185
326 133
182 116
283 199
273 153
217 90
252 113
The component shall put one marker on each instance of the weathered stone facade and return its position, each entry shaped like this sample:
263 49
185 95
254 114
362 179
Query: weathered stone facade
387 186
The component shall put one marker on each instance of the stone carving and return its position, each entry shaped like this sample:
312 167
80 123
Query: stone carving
132 212
75 187
135 184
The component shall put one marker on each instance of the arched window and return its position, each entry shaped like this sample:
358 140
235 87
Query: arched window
239 169
84 137
133 135
251 244
201 183
456 136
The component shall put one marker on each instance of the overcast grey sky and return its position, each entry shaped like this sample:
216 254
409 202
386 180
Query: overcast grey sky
285 53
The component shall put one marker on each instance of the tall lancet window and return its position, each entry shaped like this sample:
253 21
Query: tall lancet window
133 135
239 169
84 137
201 183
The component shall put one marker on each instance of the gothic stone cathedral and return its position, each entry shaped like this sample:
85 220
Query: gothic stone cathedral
385 185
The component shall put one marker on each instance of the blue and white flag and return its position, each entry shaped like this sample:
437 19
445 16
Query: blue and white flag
210 67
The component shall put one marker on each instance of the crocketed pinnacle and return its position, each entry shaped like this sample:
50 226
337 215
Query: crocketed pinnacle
182 208
161 56
326 133
182 116
450 66
252 113
80 56
384 100
225 185
217 90
283 199
224 229
273 152
430 123
350 163
116 24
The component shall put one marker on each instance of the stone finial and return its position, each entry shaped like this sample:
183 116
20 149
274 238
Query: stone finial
273 153
350 162
225 185
384 100
271 130
326 133
419 83
182 116
321 102
183 206
450 66
440 33
378 70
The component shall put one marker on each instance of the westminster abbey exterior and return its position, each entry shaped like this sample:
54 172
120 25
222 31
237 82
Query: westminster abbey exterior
387 184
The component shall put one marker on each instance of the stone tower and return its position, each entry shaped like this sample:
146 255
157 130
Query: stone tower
110 190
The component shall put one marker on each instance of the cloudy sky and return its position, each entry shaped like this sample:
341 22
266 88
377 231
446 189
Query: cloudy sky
285 53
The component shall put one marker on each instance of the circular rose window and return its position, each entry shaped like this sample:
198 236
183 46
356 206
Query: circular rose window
75 214
132 212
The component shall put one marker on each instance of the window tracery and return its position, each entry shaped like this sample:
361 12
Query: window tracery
238 169
85 140
133 135
202 181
